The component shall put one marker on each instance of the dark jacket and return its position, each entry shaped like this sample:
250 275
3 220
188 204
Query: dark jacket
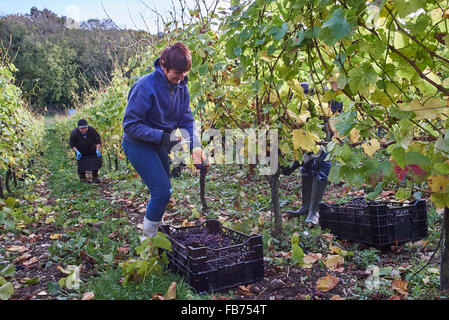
154 106
85 145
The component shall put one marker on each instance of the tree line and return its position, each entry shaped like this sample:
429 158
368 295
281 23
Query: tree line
58 59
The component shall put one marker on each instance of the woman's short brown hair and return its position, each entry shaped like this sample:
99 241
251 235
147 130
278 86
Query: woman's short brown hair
176 57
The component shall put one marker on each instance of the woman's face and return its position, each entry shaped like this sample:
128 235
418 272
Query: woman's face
174 76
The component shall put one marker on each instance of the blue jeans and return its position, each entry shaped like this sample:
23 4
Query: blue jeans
153 167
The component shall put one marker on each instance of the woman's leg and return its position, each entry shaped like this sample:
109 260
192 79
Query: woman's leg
153 167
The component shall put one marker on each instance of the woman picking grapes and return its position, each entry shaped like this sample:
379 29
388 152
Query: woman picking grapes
158 104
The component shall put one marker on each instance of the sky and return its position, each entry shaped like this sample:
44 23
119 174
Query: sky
130 14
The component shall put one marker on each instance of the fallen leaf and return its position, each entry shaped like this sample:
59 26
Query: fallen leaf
334 261
337 250
327 283
123 250
396 248
187 223
400 286
243 290
29 281
388 193
336 297
55 236
23 257
394 297
61 269
158 296
277 284
19 249
113 234
328 237
220 298
310 259
30 262
171 292
6 291
88 296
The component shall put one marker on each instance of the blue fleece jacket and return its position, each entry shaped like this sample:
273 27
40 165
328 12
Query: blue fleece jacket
154 106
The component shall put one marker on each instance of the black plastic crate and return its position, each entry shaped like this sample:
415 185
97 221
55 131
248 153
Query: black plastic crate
90 163
378 223
210 270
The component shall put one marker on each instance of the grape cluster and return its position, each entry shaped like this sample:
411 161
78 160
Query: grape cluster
358 203
201 237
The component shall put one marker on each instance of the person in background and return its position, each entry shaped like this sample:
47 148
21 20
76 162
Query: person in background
314 175
158 104
85 142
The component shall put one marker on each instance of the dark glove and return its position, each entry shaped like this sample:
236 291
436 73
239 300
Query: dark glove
286 171
165 141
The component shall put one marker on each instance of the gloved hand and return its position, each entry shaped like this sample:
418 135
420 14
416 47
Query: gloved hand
98 153
286 171
78 155
165 140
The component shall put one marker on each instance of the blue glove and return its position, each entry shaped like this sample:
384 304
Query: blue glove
78 155
98 153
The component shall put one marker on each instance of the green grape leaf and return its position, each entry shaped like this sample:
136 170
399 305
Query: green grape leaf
338 26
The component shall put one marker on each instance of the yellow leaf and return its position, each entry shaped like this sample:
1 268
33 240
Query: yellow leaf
310 259
438 183
49 220
20 225
261 220
381 97
55 236
305 141
429 108
332 126
16 248
354 135
196 213
337 250
274 100
371 147
327 283
301 118
171 292
61 269
295 85
334 261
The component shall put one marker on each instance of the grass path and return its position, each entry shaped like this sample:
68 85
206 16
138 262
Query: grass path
86 227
